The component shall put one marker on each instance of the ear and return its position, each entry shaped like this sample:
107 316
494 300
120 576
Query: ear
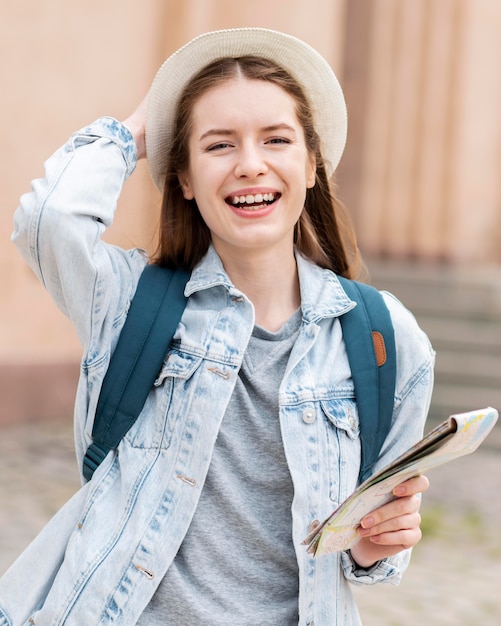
184 181
311 172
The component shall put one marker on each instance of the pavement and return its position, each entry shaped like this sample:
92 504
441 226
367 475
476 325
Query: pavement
454 578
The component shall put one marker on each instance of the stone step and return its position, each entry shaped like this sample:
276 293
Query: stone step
468 368
450 398
479 336
441 290
460 311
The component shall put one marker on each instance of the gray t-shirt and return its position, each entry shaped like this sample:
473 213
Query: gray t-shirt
237 565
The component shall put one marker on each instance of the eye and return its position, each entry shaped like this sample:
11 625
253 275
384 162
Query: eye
279 140
222 145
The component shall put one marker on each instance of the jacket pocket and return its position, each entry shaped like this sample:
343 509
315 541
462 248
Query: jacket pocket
168 400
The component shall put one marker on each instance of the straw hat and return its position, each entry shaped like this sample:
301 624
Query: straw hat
300 60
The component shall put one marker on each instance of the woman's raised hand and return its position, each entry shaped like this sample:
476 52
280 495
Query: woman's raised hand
136 123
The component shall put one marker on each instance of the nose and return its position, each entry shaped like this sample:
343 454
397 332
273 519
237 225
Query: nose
250 161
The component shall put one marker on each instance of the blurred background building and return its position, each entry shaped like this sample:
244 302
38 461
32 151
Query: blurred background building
421 172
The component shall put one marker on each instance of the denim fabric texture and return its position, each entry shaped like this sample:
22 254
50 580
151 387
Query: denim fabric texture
100 559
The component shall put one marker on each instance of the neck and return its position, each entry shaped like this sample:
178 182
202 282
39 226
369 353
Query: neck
271 283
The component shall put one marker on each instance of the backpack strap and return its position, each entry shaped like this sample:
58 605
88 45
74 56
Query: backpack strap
370 344
151 322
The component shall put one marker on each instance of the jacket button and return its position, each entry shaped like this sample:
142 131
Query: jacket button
309 416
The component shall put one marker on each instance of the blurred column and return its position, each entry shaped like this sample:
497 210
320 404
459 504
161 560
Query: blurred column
474 207
421 170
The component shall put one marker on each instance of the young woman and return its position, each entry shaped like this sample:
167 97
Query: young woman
250 435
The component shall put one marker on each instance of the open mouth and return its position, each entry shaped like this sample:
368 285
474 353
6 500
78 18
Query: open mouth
253 201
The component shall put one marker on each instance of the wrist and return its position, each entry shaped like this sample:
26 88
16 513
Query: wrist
138 134
360 557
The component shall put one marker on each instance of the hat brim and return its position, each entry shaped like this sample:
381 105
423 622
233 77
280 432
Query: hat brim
300 60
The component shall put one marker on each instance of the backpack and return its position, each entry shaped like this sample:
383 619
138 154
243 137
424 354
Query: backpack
151 322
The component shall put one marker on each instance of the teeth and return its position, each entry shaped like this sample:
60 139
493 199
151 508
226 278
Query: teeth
258 198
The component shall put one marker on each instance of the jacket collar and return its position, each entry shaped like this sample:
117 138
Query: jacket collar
321 292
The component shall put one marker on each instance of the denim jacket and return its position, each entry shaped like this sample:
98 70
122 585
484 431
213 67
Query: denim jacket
100 559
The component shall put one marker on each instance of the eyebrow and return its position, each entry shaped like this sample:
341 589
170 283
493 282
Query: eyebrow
226 132
216 131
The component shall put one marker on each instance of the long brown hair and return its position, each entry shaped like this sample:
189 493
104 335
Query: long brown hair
324 233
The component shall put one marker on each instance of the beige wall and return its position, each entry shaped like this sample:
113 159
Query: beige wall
64 64
421 170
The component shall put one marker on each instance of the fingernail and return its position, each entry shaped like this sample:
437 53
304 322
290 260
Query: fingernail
399 491
367 522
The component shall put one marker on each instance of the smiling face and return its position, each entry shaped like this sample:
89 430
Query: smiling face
249 167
